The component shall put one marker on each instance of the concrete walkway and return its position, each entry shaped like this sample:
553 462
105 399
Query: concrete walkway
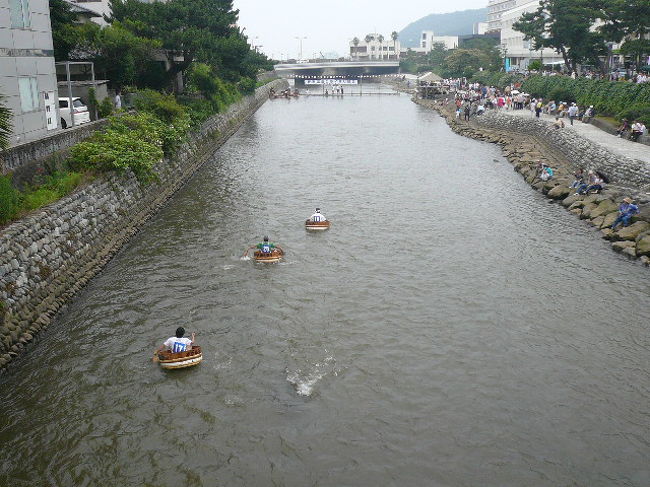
616 145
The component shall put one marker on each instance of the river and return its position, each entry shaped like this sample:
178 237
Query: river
452 328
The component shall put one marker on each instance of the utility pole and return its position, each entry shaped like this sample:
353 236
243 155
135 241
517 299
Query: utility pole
301 39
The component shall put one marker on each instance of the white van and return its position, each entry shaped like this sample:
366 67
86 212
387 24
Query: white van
79 110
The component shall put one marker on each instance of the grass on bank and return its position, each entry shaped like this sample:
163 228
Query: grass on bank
130 141
15 203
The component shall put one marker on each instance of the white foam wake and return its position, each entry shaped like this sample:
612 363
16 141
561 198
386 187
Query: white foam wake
304 382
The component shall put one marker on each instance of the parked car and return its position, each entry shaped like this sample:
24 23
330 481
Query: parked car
79 110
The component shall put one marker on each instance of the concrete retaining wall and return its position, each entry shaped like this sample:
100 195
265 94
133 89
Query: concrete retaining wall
48 256
31 152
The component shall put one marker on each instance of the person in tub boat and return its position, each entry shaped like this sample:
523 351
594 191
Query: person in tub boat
317 217
178 343
265 247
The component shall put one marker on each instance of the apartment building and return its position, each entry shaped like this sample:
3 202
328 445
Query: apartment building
27 71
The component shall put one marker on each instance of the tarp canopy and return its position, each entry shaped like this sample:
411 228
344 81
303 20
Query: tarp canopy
429 77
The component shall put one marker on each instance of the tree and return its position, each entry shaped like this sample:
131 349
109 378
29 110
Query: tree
437 55
465 62
380 38
394 35
119 55
189 30
6 125
566 26
65 33
628 21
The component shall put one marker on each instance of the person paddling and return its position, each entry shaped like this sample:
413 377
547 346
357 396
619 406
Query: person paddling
265 247
317 217
178 343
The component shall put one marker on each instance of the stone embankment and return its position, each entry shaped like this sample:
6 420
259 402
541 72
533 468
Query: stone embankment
48 256
528 143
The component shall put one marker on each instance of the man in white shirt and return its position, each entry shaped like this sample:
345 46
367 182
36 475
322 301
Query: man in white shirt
317 217
573 112
178 343
638 129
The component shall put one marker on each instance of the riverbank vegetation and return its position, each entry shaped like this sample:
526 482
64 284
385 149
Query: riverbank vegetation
176 63
616 99
45 189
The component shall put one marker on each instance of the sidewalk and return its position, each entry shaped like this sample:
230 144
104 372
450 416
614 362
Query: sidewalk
616 145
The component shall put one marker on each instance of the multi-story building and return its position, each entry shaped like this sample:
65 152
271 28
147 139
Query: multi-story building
428 40
496 10
27 72
374 50
518 53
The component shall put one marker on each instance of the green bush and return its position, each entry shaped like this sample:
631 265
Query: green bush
119 150
497 79
247 85
165 107
9 200
152 130
105 108
562 94
607 97
636 112
53 187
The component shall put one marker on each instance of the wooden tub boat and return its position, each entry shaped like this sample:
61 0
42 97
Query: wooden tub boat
189 358
310 225
274 256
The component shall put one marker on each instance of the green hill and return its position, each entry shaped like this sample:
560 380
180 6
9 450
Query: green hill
452 24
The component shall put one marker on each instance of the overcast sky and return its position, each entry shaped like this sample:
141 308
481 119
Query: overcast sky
330 24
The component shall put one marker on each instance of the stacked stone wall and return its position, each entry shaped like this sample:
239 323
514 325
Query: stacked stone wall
48 256
580 151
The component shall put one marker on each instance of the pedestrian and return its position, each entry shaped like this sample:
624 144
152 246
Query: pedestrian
118 100
468 110
573 112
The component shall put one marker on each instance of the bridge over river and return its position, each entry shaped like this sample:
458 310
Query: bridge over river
339 69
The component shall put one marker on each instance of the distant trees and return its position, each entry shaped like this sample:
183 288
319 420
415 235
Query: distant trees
394 35
150 44
356 42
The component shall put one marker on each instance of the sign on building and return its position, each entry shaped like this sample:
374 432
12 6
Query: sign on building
51 119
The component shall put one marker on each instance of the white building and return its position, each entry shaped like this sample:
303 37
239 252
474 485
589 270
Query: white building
496 10
27 72
428 40
518 52
373 47
480 28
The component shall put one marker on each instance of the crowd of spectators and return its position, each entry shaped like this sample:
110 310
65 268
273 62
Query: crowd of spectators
474 99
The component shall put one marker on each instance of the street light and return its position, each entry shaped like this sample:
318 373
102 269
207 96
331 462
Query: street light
301 39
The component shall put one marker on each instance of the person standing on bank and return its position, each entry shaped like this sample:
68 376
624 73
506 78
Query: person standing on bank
573 112
178 343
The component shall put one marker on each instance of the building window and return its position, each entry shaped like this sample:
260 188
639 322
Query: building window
28 88
19 14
